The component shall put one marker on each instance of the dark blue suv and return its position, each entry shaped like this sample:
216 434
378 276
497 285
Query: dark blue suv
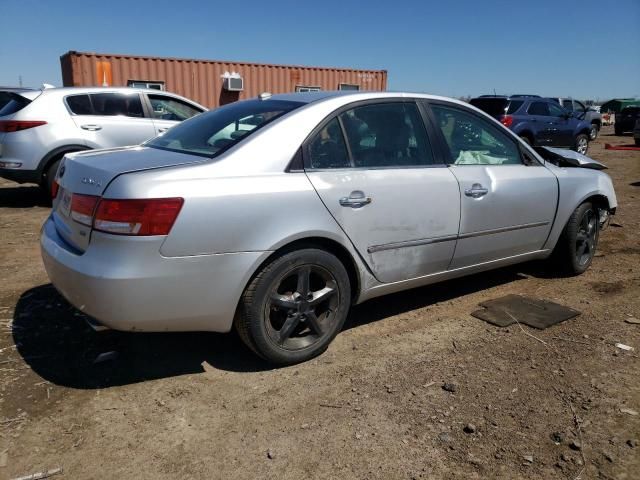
538 121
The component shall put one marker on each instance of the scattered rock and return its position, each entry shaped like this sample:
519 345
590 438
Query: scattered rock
557 437
389 388
608 456
470 428
270 454
632 320
445 437
632 443
565 458
358 436
629 411
528 458
304 426
473 460
450 387
575 445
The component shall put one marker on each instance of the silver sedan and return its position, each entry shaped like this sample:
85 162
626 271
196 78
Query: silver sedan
275 215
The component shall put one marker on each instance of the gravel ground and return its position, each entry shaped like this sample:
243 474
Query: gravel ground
558 405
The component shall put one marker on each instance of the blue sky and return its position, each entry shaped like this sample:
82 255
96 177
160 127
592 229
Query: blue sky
587 49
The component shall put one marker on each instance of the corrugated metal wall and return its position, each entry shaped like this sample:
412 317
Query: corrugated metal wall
201 80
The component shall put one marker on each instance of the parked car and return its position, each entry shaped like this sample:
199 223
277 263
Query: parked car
626 119
636 133
538 121
38 127
332 198
582 112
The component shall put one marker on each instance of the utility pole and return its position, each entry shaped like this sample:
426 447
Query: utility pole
20 80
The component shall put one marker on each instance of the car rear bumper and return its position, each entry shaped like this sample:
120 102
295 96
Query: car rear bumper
125 284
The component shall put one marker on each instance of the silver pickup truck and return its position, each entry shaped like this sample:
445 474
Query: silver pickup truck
583 113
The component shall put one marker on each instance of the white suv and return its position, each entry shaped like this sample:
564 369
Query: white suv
38 127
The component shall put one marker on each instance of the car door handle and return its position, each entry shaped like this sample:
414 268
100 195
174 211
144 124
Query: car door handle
476 191
356 199
162 130
91 128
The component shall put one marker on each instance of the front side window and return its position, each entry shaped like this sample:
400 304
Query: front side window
539 108
111 104
556 111
215 131
568 104
167 108
474 141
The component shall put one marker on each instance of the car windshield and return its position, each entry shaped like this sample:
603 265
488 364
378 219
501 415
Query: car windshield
210 133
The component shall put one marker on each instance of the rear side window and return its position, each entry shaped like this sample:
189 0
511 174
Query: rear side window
112 104
11 103
514 106
568 104
79 104
167 108
539 108
387 135
215 131
328 149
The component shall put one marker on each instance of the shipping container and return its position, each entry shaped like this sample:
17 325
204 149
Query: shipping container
208 82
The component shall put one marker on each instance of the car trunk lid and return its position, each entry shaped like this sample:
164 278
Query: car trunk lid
87 174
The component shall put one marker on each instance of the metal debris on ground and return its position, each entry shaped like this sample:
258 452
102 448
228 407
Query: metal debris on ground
535 312
622 346
41 475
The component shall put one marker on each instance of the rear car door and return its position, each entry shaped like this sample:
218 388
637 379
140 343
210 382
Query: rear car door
373 167
168 111
110 119
508 201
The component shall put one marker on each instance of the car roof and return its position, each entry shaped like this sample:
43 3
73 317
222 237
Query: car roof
354 96
67 90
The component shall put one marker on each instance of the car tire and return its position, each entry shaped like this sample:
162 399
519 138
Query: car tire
50 177
577 244
593 133
286 319
581 144
637 140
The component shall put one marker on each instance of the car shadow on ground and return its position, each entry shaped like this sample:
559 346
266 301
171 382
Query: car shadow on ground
56 342
22 197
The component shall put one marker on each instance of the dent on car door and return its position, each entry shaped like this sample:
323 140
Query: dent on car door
507 206
373 167
111 119
168 111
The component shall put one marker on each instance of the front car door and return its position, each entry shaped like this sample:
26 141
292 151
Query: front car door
508 199
168 111
563 125
111 119
539 115
373 167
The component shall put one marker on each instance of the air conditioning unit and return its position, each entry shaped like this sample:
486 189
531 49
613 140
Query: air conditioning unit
233 82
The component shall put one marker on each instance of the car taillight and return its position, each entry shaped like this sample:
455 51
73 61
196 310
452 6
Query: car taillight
154 216
55 186
507 120
17 125
82 208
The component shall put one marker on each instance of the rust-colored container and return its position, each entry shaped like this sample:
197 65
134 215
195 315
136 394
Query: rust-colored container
203 80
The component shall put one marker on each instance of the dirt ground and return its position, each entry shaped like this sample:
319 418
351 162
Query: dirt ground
373 406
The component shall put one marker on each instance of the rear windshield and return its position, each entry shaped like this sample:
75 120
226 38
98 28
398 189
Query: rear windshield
11 103
212 132
497 106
